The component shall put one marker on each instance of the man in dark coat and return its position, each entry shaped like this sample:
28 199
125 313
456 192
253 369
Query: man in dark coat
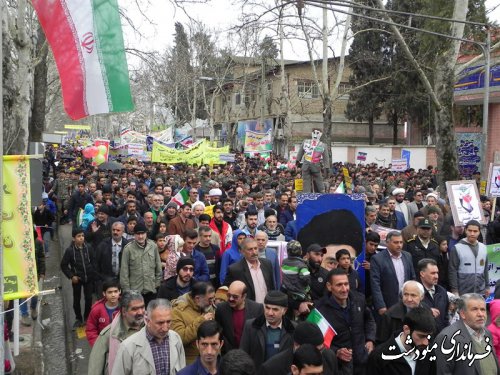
262 268
233 314
270 333
180 284
470 330
385 282
347 312
305 333
391 322
419 325
435 297
108 249
78 200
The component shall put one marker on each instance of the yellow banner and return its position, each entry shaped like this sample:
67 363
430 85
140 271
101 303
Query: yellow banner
19 265
77 127
299 184
347 178
200 153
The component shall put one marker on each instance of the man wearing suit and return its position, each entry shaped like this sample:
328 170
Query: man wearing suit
419 325
469 330
256 273
233 314
109 252
417 204
389 270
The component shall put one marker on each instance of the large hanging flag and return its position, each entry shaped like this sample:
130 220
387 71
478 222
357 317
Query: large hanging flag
326 329
19 265
87 43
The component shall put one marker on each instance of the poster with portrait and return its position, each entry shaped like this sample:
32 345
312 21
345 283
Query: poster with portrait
493 189
464 201
335 221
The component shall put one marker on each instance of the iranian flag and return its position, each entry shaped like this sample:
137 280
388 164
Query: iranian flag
340 189
181 197
328 332
87 43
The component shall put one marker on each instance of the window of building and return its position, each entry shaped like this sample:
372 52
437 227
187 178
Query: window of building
344 88
307 90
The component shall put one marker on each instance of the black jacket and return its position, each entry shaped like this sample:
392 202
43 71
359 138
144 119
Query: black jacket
103 232
280 364
253 340
77 201
418 251
391 323
224 316
351 333
440 302
40 258
79 262
103 257
318 282
168 289
240 271
379 366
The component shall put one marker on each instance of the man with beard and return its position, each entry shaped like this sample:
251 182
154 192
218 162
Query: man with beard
233 314
130 210
251 222
78 200
419 326
189 313
222 228
129 321
399 196
314 258
229 215
176 286
386 219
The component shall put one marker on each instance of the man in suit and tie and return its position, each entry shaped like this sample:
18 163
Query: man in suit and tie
472 343
389 270
108 254
254 272
233 314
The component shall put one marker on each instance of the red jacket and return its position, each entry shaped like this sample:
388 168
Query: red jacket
225 237
98 320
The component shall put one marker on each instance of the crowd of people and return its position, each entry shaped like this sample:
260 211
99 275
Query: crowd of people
178 258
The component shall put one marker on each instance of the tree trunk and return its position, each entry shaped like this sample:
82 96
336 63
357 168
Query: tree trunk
371 133
16 122
394 127
37 123
445 142
327 131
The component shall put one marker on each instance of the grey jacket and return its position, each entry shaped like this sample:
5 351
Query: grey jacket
454 366
140 268
135 357
468 268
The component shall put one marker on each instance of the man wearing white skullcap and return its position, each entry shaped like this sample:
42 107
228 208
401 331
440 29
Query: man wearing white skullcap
399 195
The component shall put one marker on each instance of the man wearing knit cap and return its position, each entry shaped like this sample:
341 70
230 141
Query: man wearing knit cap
182 283
399 195
141 265
305 333
270 333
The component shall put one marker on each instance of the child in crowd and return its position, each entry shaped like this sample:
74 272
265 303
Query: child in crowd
343 257
104 310
296 275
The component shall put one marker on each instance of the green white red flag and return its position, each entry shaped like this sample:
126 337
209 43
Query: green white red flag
328 332
87 42
181 197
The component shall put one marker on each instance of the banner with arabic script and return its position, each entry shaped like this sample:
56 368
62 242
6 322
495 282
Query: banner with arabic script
258 136
493 252
19 266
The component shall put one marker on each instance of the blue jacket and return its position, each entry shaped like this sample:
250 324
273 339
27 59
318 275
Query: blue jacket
285 217
273 258
230 256
196 368
400 220
291 231
200 266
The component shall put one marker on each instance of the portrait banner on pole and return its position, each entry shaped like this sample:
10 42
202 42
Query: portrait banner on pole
19 266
